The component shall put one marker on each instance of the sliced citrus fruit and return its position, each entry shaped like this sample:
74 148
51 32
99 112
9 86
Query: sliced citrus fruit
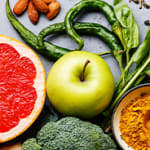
22 88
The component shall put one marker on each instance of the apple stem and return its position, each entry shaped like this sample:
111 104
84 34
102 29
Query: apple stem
84 68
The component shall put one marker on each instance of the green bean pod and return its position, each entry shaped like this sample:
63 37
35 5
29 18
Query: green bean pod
86 5
86 28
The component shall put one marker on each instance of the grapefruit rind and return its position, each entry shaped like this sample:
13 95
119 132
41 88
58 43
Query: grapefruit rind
39 85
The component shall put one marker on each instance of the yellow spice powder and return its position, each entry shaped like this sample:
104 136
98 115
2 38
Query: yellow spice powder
135 123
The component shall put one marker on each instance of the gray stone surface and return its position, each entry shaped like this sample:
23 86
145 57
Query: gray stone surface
92 44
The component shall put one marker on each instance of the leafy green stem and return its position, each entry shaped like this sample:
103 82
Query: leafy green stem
130 83
104 53
139 80
127 56
124 72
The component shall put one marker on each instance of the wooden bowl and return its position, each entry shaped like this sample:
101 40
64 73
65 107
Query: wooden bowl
122 103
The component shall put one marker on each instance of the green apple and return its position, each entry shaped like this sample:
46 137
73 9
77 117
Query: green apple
80 84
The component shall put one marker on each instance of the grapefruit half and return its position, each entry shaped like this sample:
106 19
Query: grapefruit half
22 88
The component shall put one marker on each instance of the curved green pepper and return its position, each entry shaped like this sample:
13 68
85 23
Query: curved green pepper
87 4
86 28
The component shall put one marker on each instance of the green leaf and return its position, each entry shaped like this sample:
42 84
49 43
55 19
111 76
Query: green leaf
130 29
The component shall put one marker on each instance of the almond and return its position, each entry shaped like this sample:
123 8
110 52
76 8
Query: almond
33 13
20 6
54 9
40 5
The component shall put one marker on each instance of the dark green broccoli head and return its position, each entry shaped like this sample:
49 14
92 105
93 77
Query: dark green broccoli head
73 134
30 144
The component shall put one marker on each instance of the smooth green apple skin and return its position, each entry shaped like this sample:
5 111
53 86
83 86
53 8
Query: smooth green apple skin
69 95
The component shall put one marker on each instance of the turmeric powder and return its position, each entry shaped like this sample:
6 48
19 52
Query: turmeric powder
135 123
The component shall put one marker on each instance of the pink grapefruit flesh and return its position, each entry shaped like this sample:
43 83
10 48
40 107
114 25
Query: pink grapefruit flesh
22 88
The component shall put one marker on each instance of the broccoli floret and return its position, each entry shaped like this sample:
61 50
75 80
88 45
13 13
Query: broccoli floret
73 134
30 144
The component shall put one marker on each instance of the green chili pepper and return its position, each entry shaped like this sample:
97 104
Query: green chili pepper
86 28
86 4
130 30
93 5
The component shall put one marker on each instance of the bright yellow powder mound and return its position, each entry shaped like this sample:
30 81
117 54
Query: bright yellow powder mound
135 123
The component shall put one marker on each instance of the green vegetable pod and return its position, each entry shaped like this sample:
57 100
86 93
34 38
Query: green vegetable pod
86 5
85 28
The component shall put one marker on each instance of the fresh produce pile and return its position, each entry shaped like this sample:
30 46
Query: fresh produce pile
123 38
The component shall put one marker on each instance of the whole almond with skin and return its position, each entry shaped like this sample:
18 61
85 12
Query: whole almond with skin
20 6
33 13
48 1
54 9
40 5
